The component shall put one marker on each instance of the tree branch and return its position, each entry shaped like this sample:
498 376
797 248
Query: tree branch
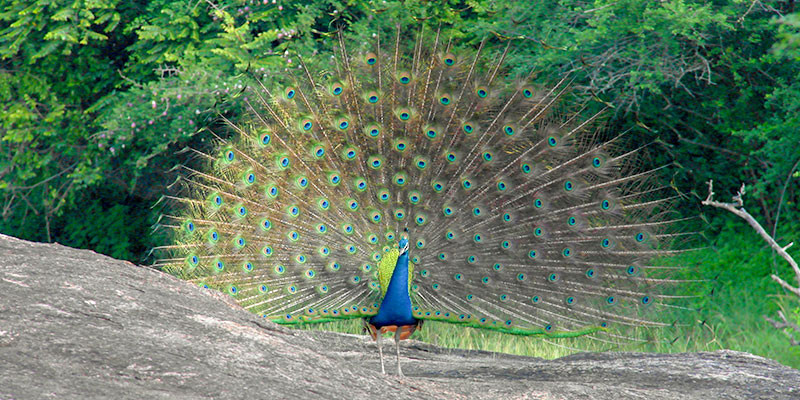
737 207
785 324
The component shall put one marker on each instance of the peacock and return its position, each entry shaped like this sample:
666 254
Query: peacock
414 181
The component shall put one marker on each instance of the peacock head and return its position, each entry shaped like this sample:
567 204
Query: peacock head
403 246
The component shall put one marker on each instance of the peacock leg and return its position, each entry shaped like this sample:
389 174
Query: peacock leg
397 346
380 351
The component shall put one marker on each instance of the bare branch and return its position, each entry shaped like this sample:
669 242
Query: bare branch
737 207
129 80
785 324
786 285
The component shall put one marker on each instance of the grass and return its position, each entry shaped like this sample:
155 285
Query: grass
729 313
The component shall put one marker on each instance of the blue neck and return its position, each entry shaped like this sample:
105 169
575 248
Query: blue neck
395 308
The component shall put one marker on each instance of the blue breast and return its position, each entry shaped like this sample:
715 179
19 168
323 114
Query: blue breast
395 308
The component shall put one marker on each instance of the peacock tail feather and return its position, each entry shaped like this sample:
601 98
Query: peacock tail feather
519 219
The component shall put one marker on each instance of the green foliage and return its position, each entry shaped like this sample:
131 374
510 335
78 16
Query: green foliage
42 144
111 229
776 138
142 122
55 64
703 78
40 28
788 45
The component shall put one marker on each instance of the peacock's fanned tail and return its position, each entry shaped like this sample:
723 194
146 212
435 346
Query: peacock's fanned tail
519 219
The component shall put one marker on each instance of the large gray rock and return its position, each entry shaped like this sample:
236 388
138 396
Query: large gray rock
76 324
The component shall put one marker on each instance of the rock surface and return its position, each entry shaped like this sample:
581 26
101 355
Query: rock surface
76 324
